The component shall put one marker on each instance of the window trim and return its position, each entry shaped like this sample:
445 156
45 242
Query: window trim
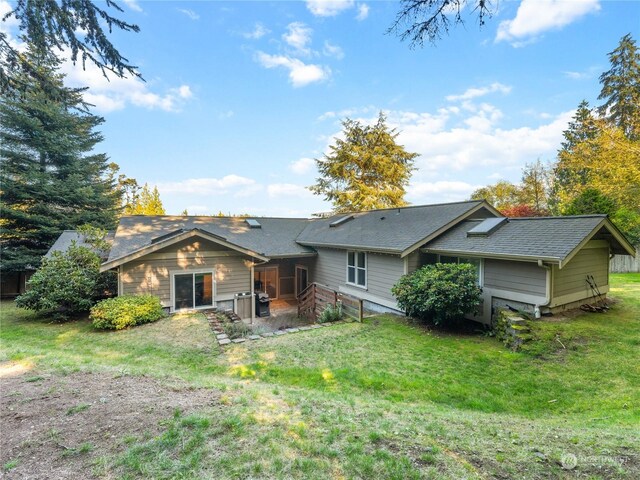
480 265
357 268
193 273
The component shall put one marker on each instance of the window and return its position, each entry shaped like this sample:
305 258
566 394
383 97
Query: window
192 290
357 268
476 262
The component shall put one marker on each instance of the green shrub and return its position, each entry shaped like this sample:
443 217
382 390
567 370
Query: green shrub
331 313
441 293
67 283
126 311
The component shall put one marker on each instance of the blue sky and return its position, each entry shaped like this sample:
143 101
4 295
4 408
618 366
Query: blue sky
241 96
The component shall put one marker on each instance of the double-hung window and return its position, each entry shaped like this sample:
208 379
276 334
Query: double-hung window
357 268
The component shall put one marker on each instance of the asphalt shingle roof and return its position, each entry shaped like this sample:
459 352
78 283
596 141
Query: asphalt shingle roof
544 237
393 230
67 237
275 238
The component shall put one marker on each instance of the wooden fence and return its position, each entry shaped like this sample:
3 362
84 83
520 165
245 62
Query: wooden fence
625 263
315 298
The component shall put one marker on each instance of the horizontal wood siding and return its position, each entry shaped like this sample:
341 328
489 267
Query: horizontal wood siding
521 277
383 271
572 278
330 268
413 261
232 275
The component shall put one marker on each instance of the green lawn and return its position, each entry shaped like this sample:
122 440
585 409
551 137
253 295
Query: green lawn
382 399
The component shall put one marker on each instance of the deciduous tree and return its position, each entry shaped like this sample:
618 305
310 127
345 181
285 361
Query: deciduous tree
147 202
366 170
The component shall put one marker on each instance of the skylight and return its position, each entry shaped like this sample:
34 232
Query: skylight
341 220
487 226
253 223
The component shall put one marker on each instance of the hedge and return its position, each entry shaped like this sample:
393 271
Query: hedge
126 311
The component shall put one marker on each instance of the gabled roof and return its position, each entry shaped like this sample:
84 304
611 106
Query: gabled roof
67 237
551 239
392 230
275 238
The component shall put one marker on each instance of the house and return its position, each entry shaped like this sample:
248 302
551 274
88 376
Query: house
201 262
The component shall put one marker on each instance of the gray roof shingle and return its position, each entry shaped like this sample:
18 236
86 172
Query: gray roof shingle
275 238
392 230
543 237
67 237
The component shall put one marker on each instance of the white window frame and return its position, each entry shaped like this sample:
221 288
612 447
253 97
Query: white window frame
480 267
194 272
356 268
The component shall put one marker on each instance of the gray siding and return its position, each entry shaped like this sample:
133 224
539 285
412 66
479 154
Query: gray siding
330 267
413 261
521 277
571 279
383 271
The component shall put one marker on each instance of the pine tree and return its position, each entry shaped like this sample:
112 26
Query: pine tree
51 179
366 170
621 88
147 202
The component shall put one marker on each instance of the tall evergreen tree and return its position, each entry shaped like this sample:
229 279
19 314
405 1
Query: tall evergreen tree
50 177
621 88
366 170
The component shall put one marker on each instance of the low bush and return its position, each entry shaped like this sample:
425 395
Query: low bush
441 293
236 329
126 311
331 313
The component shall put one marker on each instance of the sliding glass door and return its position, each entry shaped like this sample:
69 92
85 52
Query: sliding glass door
193 290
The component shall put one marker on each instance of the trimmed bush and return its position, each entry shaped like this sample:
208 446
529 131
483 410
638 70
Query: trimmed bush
441 293
126 311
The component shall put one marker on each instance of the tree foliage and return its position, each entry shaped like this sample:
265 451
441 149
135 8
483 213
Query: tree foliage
420 20
147 202
366 170
79 26
51 177
441 293
621 88
67 284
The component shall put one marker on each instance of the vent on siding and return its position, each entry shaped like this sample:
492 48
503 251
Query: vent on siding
341 220
487 226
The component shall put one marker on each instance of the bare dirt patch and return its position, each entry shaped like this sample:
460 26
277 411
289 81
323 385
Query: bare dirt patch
57 426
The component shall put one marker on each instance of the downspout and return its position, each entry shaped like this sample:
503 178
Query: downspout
536 309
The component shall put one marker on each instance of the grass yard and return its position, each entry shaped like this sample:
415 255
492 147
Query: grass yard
382 399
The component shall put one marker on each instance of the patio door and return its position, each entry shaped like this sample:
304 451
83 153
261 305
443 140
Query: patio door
265 280
302 279
192 290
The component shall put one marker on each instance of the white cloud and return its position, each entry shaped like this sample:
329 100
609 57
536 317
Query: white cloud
11 22
300 74
363 11
298 36
535 17
133 5
189 13
287 189
257 33
302 166
116 93
234 184
329 8
331 50
225 115
476 92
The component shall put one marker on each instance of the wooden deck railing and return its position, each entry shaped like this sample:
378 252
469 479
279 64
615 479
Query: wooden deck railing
315 298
